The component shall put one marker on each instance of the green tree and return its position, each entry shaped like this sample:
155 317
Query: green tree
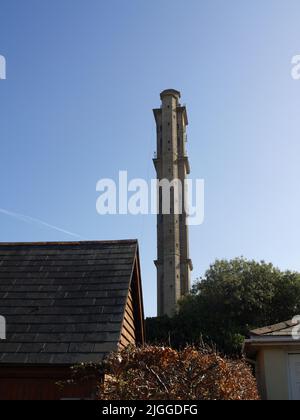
232 298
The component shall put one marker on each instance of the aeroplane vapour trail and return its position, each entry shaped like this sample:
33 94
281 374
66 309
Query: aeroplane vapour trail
33 220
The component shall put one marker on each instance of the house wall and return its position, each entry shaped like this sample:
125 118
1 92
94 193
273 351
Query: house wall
272 372
128 333
40 383
260 375
132 331
276 374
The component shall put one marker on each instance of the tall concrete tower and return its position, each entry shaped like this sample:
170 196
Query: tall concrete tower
171 163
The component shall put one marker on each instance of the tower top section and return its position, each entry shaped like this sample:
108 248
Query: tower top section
166 98
170 92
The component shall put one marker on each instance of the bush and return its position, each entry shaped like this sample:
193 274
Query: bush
161 373
232 298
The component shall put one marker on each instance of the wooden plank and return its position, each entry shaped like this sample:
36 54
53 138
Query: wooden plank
130 305
124 342
130 314
41 384
129 326
130 296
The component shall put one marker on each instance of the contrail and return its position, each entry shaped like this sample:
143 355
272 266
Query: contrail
28 219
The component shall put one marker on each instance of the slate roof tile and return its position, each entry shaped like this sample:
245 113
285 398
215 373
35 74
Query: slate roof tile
63 302
281 329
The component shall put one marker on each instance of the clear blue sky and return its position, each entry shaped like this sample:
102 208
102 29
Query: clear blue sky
82 79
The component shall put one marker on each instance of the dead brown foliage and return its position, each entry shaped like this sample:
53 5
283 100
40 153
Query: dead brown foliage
161 373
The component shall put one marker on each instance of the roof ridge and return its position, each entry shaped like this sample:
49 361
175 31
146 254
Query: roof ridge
112 242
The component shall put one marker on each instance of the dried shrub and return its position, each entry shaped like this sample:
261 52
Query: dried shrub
161 373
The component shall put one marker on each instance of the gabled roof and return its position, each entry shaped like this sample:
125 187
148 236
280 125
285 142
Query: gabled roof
282 334
64 303
283 329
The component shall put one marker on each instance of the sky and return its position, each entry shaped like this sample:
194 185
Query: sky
76 107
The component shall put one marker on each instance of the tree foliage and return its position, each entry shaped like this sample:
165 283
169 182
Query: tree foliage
232 298
161 373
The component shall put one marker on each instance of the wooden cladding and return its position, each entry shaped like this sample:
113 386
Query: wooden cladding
128 334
